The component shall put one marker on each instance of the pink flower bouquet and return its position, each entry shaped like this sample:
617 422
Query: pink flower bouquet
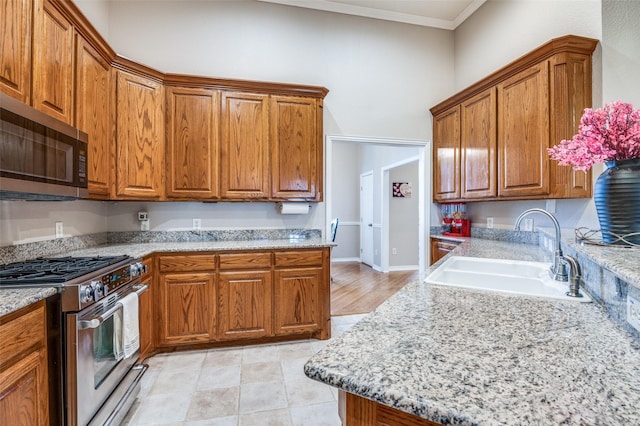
605 134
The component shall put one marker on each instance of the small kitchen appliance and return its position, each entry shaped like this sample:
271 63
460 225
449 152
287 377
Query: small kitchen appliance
454 219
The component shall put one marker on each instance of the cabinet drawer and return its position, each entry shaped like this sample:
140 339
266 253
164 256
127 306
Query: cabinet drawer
22 333
188 263
245 260
299 258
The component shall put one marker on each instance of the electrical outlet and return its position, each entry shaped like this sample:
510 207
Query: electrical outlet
489 222
633 312
59 230
143 216
197 224
144 225
394 251
527 225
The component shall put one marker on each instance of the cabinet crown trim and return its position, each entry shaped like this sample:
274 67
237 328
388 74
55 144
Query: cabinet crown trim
565 44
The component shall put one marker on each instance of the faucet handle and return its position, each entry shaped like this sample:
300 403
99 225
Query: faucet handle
575 273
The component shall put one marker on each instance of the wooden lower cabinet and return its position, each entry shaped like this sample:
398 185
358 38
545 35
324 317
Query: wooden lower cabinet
254 295
441 248
24 393
357 411
187 308
145 315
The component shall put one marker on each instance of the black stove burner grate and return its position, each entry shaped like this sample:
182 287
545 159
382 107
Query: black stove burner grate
54 270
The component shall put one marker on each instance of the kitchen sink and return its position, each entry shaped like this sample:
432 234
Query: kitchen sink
503 276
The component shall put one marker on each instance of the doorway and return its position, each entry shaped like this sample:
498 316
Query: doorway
336 195
366 218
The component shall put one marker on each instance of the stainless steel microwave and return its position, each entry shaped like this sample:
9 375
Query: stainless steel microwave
41 158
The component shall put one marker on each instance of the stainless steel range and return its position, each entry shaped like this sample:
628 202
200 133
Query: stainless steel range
97 382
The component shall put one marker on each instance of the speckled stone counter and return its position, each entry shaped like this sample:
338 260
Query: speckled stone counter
474 358
12 300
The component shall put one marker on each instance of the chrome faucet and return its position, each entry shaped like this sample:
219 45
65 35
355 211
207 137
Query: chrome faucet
558 270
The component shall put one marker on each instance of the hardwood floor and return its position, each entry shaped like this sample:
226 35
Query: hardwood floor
358 289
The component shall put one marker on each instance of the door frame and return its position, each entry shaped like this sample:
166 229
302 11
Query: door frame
424 193
362 230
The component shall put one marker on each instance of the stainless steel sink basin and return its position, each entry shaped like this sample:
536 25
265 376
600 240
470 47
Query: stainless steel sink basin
503 276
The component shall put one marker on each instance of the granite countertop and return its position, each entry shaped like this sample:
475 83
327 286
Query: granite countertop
458 356
14 299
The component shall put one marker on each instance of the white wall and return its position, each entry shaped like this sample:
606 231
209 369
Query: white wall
345 198
403 219
498 33
29 221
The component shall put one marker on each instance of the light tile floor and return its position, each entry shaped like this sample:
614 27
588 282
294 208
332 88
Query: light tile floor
243 386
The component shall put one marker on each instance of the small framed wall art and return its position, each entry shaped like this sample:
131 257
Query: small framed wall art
402 189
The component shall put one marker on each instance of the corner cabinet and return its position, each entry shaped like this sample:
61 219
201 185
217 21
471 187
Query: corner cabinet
491 140
139 165
24 391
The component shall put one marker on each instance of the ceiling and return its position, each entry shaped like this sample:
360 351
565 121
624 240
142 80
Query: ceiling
445 14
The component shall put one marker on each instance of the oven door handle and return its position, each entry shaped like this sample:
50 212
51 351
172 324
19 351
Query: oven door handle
96 321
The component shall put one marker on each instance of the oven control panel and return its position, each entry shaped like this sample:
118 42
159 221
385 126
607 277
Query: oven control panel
105 284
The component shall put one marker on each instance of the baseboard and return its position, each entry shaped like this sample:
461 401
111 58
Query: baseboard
403 268
345 259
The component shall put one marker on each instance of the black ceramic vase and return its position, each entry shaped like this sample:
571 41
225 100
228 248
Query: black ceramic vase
617 199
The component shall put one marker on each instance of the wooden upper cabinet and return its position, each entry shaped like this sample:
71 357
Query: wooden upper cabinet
95 114
296 148
53 53
478 146
523 133
15 48
244 153
446 155
193 129
507 121
139 165
570 81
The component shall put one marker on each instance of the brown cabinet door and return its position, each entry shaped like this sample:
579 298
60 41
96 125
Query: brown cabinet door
296 150
523 133
15 53
441 248
145 314
186 309
53 52
478 172
298 307
244 304
23 391
95 114
570 78
244 153
446 155
193 128
139 163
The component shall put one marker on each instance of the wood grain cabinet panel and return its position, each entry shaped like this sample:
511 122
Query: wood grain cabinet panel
244 153
244 304
24 389
298 293
139 166
95 115
53 55
478 140
446 155
193 129
15 48
186 309
523 133
441 248
146 312
295 148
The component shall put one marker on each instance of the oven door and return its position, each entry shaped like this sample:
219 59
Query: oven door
94 370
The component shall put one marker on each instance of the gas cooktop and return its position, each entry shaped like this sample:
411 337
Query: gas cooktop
54 271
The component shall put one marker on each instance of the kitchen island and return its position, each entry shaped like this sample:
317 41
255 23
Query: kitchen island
456 356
